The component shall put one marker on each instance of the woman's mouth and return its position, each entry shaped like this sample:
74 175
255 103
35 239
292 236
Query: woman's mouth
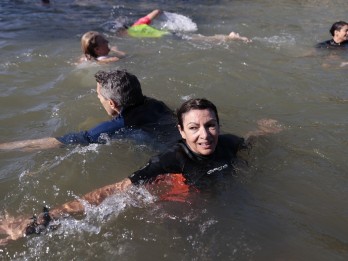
205 145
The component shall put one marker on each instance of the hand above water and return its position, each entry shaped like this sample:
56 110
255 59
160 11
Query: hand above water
234 35
14 228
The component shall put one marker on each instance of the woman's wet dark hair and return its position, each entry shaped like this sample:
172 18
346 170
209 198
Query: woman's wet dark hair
195 104
337 26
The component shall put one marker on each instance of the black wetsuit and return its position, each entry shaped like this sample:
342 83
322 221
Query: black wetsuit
197 170
151 116
331 44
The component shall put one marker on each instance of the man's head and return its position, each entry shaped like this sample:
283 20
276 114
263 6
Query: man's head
118 90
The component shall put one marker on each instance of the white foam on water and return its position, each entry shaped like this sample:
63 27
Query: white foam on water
115 24
166 21
71 228
278 41
85 64
175 22
112 206
48 165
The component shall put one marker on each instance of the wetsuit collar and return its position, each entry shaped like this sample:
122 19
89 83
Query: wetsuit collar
332 42
193 155
129 108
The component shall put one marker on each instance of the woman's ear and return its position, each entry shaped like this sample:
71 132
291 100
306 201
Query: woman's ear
182 132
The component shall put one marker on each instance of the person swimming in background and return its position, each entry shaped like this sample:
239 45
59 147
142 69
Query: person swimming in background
142 29
339 32
96 48
339 42
220 37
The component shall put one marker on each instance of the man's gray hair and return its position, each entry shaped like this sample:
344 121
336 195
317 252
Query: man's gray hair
120 86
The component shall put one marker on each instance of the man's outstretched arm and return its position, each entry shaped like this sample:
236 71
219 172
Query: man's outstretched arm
30 145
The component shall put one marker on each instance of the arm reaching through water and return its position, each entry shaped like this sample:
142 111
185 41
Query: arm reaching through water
119 53
265 127
221 37
94 197
152 15
73 138
31 145
16 228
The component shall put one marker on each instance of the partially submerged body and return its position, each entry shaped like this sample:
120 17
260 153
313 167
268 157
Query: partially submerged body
95 47
332 49
331 44
201 157
142 29
121 96
339 32
220 37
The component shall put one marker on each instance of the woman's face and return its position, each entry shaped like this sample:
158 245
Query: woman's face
342 35
200 130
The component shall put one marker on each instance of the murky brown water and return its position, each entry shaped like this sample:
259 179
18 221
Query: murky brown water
290 204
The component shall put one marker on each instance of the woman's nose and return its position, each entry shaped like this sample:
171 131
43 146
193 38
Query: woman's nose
204 133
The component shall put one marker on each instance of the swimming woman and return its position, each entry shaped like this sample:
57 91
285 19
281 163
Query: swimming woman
95 47
202 157
339 32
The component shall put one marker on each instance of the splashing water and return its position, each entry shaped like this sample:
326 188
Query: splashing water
114 25
71 229
166 21
175 22
277 41
48 165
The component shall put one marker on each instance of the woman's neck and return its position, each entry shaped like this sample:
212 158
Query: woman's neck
337 40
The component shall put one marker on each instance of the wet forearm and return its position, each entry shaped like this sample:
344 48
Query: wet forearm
265 127
29 145
118 52
94 197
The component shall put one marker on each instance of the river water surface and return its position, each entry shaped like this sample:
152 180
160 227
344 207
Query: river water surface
290 203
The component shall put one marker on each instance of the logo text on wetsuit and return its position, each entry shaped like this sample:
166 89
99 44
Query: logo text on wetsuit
217 169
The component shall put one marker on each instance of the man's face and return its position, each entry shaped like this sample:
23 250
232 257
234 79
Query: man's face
108 105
